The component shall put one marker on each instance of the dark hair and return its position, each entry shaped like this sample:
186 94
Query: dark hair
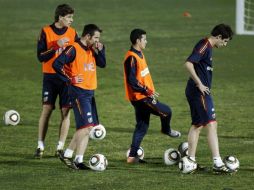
136 34
224 30
63 10
90 29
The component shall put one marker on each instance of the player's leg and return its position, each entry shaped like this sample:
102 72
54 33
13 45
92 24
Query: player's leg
83 117
193 137
63 129
142 123
213 142
65 104
49 96
165 114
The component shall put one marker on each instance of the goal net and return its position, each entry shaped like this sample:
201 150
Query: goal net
245 17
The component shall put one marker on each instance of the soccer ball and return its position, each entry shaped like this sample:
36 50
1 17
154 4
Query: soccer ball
171 157
98 132
183 149
11 117
98 162
231 162
187 166
140 153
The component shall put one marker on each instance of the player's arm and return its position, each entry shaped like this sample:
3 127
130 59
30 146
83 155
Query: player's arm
130 67
99 54
44 54
190 68
63 59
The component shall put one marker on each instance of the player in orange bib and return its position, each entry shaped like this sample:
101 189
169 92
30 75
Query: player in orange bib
141 93
77 67
53 40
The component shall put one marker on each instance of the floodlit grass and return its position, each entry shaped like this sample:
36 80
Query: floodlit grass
171 38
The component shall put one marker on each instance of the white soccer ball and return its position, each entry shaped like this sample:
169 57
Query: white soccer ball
140 153
98 132
183 149
232 162
171 157
11 117
98 162
187 166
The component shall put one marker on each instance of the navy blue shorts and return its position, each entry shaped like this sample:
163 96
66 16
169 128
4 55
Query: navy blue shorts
53 86
84 107
202 109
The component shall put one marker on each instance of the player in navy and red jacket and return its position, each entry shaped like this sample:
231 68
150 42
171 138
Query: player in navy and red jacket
53 40
141 93
198 93
77 67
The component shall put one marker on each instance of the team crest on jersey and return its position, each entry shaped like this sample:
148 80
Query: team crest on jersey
90 120
144 72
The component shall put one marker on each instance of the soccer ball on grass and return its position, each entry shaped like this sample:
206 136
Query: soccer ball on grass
187 166
232 162
98 162
98 132
171 157
183 149
11 117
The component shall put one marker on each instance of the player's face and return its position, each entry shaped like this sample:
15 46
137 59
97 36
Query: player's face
94 39
222 42
66 20
143 42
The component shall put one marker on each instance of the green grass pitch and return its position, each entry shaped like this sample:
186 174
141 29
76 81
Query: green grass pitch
171 38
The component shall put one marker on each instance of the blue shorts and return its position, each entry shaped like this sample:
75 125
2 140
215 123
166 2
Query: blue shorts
52 87
202 109
84 107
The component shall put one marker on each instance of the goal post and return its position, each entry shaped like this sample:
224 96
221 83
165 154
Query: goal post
245 17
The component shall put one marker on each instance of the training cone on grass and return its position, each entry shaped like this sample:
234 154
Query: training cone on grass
187 14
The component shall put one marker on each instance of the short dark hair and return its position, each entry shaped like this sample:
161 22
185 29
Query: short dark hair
63 10
90 29
136 34
224 30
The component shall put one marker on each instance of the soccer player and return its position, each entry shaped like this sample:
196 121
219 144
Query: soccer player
53 40
141 93
77 66
198 93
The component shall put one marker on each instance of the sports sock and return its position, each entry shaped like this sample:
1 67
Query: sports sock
68 153
60 145
217 161
40 145
193 158
79 158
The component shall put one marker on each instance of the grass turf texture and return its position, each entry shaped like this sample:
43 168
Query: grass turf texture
171 38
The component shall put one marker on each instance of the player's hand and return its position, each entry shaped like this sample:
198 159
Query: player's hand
203 89
98 46
152 94
62 42
77 79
